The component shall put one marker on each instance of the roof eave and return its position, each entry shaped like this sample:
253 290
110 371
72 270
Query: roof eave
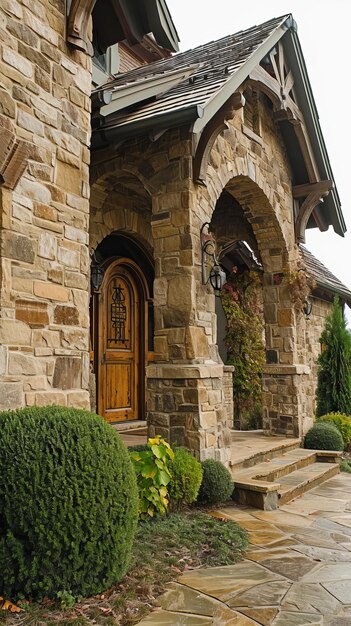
164 121
331 206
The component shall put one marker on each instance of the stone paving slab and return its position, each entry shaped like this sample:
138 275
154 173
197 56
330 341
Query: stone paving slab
297 569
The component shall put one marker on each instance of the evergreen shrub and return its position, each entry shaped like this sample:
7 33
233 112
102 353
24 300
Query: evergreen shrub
186 479
334 365
324 436
68 503
342 423
217 484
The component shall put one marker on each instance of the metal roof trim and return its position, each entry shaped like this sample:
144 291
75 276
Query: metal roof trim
147 88
163 28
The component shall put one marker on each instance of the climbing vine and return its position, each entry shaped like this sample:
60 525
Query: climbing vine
242 306
301 285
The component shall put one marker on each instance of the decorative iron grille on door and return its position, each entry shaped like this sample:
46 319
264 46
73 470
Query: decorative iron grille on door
120 312
118 315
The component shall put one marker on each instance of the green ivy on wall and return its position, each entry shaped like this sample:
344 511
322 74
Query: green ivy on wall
241 301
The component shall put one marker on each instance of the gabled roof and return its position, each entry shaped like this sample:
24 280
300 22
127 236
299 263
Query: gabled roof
216 64
324 278
207 76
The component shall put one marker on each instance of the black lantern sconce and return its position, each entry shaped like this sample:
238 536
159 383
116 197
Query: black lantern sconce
307 307
213 275
96 274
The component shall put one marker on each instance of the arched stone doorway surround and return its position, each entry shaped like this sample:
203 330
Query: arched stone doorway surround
121 244
268 207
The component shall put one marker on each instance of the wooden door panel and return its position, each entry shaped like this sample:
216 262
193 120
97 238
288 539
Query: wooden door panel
121 341
119 386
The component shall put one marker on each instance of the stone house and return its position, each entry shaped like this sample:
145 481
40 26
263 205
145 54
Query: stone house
181 156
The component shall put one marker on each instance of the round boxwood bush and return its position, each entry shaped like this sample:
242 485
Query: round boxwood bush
217 484
184 485
68 503
324 436
342 422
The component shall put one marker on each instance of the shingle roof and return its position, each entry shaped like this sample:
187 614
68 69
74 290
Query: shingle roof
324 277
216 63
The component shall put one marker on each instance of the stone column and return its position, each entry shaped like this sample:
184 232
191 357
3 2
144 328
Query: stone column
186 400
284 377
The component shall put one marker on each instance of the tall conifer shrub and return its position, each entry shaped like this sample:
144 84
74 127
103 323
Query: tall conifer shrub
334 365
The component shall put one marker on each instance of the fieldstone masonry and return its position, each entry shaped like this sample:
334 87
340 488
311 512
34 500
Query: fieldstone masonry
44 209
144 188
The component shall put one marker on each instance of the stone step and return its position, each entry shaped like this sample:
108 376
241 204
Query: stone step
299 482
250 451
278 480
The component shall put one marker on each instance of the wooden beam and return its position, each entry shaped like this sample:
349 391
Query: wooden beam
78 24
322 187
305 211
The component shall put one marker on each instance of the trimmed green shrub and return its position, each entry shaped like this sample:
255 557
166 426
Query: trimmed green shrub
68 503
186 479
342 423
324 436
217 484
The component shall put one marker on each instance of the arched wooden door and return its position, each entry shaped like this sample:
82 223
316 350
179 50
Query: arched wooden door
122 341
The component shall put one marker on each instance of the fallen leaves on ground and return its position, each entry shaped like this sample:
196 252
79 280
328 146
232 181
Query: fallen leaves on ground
7 605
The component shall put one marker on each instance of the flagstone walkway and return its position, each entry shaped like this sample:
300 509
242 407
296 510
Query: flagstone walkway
297 570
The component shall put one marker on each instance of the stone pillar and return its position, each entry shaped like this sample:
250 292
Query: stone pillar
284 377
44 209
186 400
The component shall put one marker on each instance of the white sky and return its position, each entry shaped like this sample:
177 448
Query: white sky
324 33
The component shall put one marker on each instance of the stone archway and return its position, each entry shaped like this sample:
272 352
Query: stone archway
121 243
267 207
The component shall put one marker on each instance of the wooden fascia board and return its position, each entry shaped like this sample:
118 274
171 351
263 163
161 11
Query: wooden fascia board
309 110
232 85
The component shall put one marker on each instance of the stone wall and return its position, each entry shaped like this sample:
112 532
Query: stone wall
44 209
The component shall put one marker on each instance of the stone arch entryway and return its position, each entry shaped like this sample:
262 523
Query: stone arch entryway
122 328
239 311
247 210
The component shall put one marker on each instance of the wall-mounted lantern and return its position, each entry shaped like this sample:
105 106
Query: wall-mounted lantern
307 307
96 274
211 270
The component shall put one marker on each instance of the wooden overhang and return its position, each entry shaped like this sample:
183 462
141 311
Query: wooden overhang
119 20
267 58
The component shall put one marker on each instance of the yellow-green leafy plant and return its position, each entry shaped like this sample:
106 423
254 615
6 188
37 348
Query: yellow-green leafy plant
342 423
153 472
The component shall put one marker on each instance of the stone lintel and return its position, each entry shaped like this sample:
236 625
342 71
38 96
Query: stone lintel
169 371
228 368
285 370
